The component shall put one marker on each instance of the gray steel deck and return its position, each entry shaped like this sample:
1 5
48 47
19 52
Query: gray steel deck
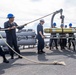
24 67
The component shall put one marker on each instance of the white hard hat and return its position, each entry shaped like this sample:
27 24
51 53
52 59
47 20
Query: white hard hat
42 20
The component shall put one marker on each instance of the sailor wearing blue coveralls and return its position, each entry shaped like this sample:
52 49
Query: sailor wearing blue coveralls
40 37
53 35
65 38
62 40
70 40
11 34
3 55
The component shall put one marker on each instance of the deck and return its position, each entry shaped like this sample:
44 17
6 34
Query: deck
24 67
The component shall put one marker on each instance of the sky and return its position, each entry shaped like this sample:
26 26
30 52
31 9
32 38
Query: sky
29 10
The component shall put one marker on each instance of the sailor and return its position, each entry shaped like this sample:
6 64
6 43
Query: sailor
62 40
40 36
3 56
71 40
53 39
65 38
65 26
11 34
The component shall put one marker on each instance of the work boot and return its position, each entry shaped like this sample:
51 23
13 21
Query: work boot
39 52
74 48
19 57
42 51
62 48
50 48
5 61
69 48
57 48
12 57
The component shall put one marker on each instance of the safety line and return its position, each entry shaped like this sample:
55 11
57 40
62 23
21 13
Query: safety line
37 62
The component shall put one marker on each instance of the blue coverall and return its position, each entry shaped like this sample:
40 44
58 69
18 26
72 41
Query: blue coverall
40 39
11 36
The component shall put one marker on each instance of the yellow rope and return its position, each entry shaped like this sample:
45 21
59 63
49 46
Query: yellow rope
44 63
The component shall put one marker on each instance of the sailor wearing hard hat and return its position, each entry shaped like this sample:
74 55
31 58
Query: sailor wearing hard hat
52 39
11 34
62 40
65 38
71 40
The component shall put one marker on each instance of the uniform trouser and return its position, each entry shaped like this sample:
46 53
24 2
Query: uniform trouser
40 44
2 53
13 44
65 40
71 41
62 43
51 41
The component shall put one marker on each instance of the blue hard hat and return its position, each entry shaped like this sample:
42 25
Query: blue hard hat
65 25
70 24
54 24
10 16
